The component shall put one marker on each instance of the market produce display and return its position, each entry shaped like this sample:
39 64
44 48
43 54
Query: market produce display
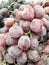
24 33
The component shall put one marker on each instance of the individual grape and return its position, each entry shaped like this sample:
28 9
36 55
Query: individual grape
34 43
35 35
18 13
4 12
14 51
46 23
2 40
39 11
43 32
25 25
46 10
9 59
22 59
33 55
36 25
28 13
41 62
24 42
11 41
15 31
4 29
22 7
46 16
39 2
32 3
9 21
46 49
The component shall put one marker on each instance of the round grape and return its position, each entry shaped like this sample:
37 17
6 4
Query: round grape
15 31
14 51
24 42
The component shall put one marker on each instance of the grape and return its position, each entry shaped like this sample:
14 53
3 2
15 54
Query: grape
33 55
46 10
36 25
43 60
43 31
22 59
24 42
9 21
39 11
32 3
9 59
25 25
46 23
11 41
2 40
22 7
4 29
34 43
28 13
14 51
39 2
15 31
4 12
46 16
46 49
18 13
35 35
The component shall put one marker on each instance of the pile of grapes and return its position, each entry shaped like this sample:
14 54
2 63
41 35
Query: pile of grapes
24 33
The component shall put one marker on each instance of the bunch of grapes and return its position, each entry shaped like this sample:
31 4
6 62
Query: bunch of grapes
24 36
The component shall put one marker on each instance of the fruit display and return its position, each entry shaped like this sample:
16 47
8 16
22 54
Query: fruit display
24 33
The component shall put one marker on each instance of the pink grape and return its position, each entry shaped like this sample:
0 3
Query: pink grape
36 25
22 59
14 51
9 59
34 43
39 11
24 42
15 31
25 25
11 41
33 55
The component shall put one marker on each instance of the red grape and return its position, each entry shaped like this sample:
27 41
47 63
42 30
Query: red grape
15 31
22 59
36 25
33 55
14 51
25 25
24 42
39 11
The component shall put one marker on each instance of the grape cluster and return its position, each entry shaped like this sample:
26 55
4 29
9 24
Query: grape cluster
25 35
